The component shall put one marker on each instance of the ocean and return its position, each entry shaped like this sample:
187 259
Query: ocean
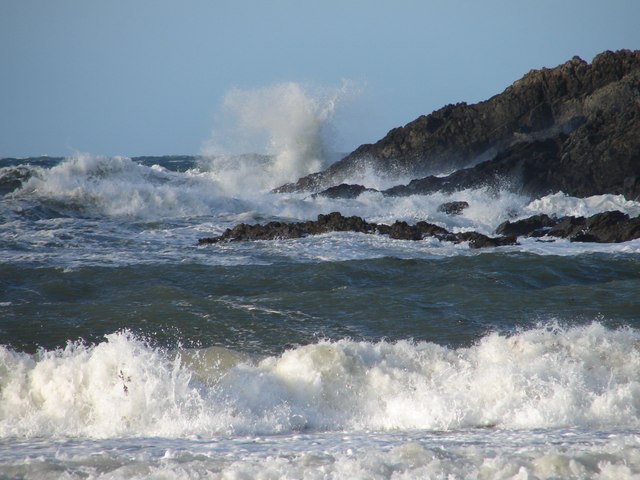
128 351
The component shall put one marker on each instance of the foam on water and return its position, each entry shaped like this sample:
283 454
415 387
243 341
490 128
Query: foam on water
118 187
467 455
548 377
230 189
83 200
560 204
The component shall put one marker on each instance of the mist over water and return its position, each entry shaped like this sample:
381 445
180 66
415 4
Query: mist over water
288 123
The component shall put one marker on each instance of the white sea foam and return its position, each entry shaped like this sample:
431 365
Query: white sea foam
465 455
289 122
119 187
548 377
560 204
162 211
231 189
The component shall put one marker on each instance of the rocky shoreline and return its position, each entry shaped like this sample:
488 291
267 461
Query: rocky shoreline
573 128
607 227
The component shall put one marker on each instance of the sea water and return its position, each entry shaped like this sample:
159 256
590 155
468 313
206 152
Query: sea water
128 351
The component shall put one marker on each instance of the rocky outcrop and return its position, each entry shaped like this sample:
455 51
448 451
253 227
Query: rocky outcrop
333 222
572 128
601 156
535 226
453 208
606 227
336 222
345 190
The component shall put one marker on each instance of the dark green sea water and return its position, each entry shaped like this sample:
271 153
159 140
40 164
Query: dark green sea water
263 308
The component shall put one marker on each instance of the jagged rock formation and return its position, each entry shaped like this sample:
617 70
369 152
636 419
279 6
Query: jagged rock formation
606 227
574 128
336 222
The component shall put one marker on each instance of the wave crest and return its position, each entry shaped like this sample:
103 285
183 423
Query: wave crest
287 121
544 377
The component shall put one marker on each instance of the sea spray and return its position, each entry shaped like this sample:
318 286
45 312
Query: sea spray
560 204
288 122
118 387
88 185
547 377
228 189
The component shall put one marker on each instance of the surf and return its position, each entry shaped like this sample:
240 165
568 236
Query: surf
289 122
544 377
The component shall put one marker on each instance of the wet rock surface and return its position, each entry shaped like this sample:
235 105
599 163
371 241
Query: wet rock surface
535 226
345 190
336 222
573 128
453 208
607 227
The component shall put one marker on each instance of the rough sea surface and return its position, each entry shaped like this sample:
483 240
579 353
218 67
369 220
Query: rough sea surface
128 351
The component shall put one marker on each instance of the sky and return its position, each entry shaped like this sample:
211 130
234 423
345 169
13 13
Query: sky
155 77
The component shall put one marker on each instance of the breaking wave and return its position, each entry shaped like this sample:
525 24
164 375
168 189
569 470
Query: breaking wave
289 123
544 377
89 185
120 187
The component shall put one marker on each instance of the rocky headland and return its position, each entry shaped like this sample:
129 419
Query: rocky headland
573 128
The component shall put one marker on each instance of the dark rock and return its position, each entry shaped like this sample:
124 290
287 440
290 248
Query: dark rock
478 240
609 227
532 226
344 190
404 231
606 227
430 230
333 222
567 227
13 178
572 128
336 222
453 208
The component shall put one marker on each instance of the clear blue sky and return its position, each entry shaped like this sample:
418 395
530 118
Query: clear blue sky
134 77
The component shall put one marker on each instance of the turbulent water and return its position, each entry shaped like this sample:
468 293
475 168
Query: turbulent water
128 351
